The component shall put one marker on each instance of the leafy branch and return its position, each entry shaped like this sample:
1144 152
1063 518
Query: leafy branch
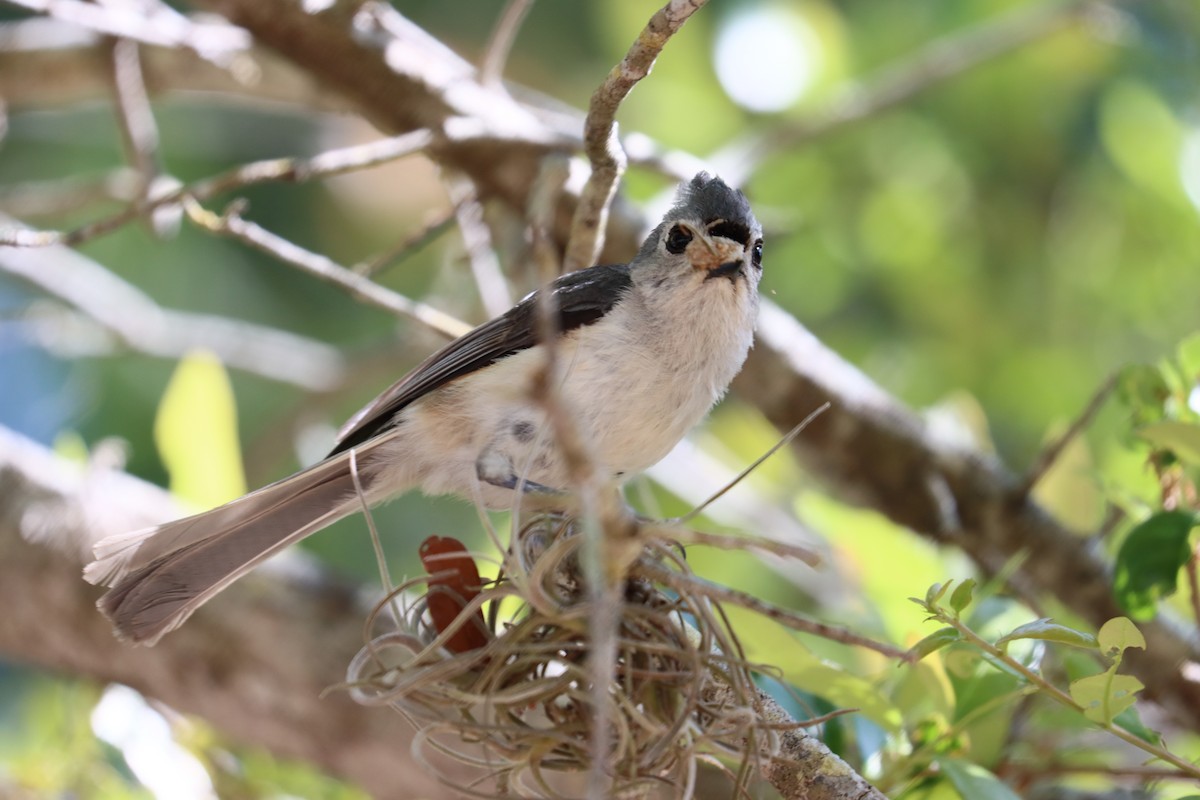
1100 698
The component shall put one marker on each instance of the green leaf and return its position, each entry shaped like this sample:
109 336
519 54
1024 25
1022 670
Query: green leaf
973 781
1149 561
935 592
71 446
1119 633
1130 721
1051 632
1106 695
1189 357
1181 438
1144 391
934 642
196 432
961 598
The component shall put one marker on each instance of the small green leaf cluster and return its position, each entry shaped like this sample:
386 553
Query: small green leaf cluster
1163 402
1106 699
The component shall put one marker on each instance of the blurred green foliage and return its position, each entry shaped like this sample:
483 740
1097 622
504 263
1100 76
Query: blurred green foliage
1011 237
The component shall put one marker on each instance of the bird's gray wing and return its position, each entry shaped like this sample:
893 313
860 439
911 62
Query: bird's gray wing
582 298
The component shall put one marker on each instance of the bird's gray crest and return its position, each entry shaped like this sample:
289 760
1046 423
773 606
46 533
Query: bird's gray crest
708 198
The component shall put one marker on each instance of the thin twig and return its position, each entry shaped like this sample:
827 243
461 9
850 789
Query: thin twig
544 197
121 312
385 576
600 132
1051 452
892 86
1056 694
135 118
1193 566
319 266
491 69
294 170
606 522
477 240
1142 771
786 618
409 245
70 193
783 442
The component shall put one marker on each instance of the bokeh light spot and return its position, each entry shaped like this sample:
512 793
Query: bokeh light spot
766 57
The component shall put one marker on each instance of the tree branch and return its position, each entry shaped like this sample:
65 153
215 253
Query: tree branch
139 324
48 63
600 140
254 662
355 284
149 23
877 453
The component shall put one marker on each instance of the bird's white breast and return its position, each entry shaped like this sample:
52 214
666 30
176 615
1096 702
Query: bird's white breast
633 383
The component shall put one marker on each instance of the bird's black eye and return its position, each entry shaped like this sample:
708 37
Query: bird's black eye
678 239
757 257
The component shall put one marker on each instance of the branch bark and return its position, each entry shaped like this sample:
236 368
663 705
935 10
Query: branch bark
253 663
874 451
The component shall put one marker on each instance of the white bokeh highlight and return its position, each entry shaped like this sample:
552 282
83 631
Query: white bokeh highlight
125 720
766 57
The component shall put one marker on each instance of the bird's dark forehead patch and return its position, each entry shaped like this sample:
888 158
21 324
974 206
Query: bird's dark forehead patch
711 199
730 230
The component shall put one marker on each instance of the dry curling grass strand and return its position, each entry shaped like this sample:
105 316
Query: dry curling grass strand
515 715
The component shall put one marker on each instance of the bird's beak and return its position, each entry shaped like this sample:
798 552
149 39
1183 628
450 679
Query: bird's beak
717 255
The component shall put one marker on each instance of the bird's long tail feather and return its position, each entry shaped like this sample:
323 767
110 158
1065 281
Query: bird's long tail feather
159 576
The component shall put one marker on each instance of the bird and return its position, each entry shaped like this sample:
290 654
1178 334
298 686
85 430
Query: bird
646 350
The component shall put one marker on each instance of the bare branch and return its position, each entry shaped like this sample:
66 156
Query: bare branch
491 69
782 616
70 193
874 451
48 63
232 225
803 768
294 170
432 229
1052 451
134 116
477 240
155 24
141 325
600 132
254 663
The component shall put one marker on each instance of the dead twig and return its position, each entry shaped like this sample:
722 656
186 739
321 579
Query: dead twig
293 170
135 118
231 224
600 141
438 224
477 240
112 309
495 55
155 24
1051 452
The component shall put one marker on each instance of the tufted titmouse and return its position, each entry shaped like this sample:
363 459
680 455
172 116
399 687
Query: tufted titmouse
646 349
